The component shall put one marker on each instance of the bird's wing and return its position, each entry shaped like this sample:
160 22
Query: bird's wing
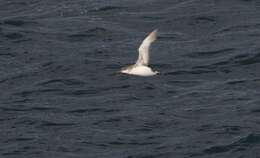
143 58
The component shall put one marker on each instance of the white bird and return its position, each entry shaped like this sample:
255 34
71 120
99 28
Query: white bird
141 67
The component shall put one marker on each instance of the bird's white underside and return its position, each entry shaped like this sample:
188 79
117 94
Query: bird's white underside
140 71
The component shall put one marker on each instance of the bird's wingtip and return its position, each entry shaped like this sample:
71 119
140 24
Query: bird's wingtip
156 30
153 35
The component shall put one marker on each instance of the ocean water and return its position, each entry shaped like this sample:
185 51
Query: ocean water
62 96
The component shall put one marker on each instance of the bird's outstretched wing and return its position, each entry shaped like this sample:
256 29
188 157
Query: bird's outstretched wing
143 58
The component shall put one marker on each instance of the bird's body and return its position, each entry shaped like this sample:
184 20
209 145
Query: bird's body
141 68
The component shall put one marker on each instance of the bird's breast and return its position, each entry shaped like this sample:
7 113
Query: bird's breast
142 71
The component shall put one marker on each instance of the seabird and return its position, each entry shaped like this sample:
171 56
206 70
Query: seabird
141 67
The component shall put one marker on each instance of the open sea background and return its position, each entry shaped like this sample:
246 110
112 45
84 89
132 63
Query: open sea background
62 96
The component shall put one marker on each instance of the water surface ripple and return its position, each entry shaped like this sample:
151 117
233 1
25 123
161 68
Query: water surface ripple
62 96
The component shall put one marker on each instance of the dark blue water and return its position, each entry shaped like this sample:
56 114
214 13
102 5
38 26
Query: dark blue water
61 95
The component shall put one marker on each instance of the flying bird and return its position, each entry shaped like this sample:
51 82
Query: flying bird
141 67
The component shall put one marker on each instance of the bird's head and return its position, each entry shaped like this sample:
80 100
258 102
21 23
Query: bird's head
126 69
